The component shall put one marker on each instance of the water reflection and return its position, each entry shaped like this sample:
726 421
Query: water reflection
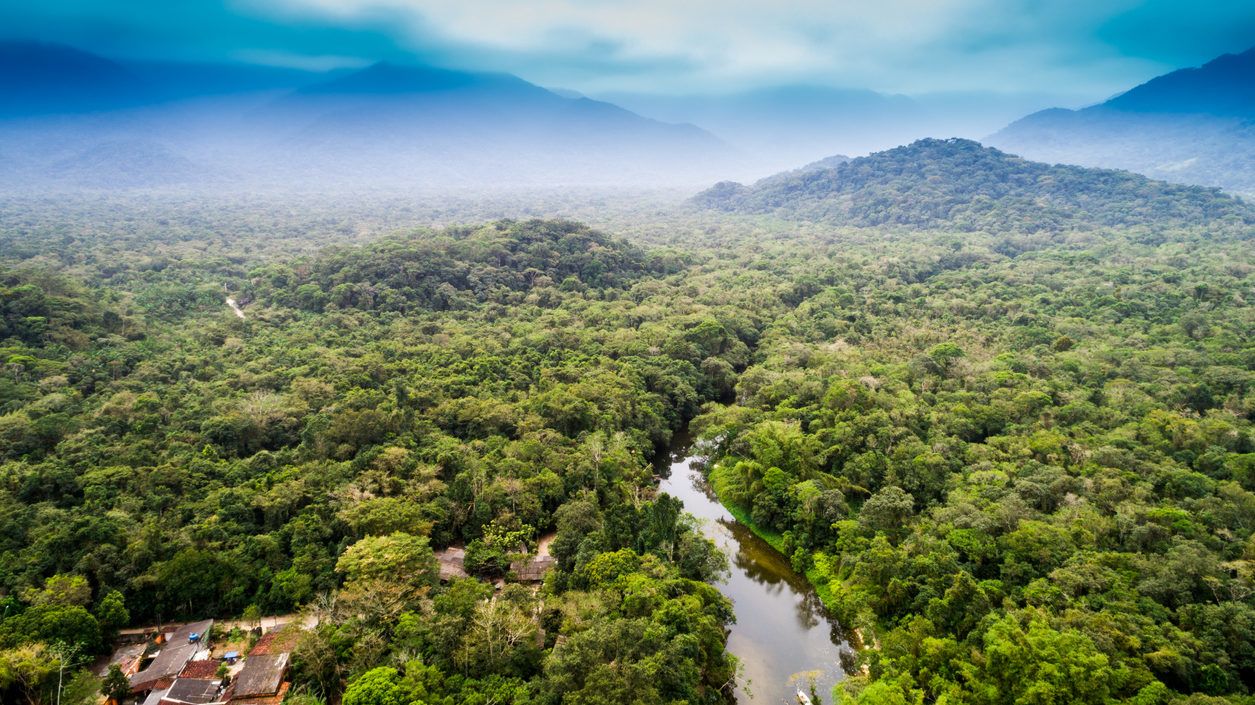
782 635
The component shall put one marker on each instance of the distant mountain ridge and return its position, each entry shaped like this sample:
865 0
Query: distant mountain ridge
1224 86
42 78
1194 125
956 183
384 126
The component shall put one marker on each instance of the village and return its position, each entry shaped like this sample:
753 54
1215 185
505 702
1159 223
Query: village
198 664
230 663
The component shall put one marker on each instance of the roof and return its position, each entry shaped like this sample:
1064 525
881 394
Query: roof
532 570
192 691
194 628
155 697
261 676
169 661
263 644
452 561
207 668
125 656
275 699
174 654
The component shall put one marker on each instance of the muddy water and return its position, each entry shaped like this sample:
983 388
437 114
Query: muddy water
782 636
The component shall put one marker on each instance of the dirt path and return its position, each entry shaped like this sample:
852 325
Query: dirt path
542 546
307 621
235 307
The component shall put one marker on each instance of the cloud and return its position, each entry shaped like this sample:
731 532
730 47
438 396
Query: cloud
1094 46
1089 47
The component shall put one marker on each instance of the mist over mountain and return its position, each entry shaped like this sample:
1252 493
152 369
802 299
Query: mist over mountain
961 184
1195 125
786 125
384 126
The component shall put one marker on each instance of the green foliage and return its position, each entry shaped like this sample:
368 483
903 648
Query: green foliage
115 684
1022 476
961 184
1019 459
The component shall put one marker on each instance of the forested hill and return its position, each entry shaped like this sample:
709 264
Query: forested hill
457 268
956 183
1021 465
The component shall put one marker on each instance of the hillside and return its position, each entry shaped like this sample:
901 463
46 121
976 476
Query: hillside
960 184
786 125
461 268
1194 125
956 443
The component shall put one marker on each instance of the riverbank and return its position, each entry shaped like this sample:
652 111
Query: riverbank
859 629
776 540
783 635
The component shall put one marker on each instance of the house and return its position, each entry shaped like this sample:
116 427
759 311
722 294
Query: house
533 569
452 561
179 647
261 677
203 668
127 657
154 697
193 691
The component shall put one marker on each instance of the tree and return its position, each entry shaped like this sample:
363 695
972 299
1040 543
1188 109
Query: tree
112 613
887 511
27 669
399 556
377 686
385 575
61 590
1040 665
251 616
116 686
193 582
72 627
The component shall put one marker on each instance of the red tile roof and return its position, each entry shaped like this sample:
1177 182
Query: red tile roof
263 644
200 669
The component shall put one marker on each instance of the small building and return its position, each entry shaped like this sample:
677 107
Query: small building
262 680
154 697
126 657
532 570
261 677
193 691
452 563
202 669
169 661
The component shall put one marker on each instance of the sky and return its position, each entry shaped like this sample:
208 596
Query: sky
1091 48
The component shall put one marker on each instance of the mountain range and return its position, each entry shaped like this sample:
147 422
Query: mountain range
72 120
76 120
1195 125
960 184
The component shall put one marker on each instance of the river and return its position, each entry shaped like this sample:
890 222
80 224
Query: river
782 635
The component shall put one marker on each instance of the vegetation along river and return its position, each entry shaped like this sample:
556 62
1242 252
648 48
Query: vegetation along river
782 635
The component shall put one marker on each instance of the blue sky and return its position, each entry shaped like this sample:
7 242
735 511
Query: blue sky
1078 47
